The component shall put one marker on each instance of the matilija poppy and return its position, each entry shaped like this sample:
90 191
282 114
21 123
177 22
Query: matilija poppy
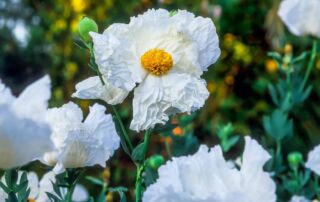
206 176
301 17
80 143
24 136
158 55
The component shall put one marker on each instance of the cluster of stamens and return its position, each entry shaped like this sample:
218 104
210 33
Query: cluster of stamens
157 61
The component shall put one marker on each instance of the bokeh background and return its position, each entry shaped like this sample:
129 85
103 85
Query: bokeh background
37 37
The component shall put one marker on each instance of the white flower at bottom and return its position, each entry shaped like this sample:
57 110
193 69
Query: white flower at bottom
313 162
207 177
81 144
158 56
301 17
24 136
299 199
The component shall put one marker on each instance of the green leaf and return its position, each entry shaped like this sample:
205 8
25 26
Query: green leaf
301 57
4 187
278 125
123 197
122 138
138 153
273 94
53 197
81 44
95 181
306 93
276 56
21 186
102 196
12 197
121 191
230 143
56 189
150 175
117 189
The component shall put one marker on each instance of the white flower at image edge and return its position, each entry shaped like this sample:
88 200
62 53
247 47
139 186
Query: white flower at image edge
313 162
301 17
78 143
299 199
206 177
38 188
159 57
24 136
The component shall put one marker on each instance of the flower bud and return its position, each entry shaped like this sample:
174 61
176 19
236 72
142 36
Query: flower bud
295 158
85 26
156 161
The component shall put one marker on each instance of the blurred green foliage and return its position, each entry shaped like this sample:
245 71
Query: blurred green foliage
238 83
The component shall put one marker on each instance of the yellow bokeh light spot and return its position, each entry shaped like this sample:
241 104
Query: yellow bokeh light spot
212 87
271 66
229 80
178 131
79 5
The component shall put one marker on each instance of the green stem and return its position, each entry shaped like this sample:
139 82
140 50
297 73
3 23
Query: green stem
70 193
147 136
317 186
72 178
123 129
138 184
278 152
140 168
310 65
168 149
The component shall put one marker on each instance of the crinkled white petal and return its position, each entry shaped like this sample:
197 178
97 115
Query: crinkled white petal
158 97
6 96
112 65
313 162
206 177
81 144
33 101
103 127
301 17
203 32
92 88
61 120
299 199
254 158
22 140
68 116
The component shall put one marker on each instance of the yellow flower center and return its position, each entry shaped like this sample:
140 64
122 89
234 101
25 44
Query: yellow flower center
157 61
31 200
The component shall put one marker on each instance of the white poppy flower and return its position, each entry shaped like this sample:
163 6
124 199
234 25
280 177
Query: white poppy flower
206 177
165 55
301 17
313 162
38 189
299 199
24 136
80 144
